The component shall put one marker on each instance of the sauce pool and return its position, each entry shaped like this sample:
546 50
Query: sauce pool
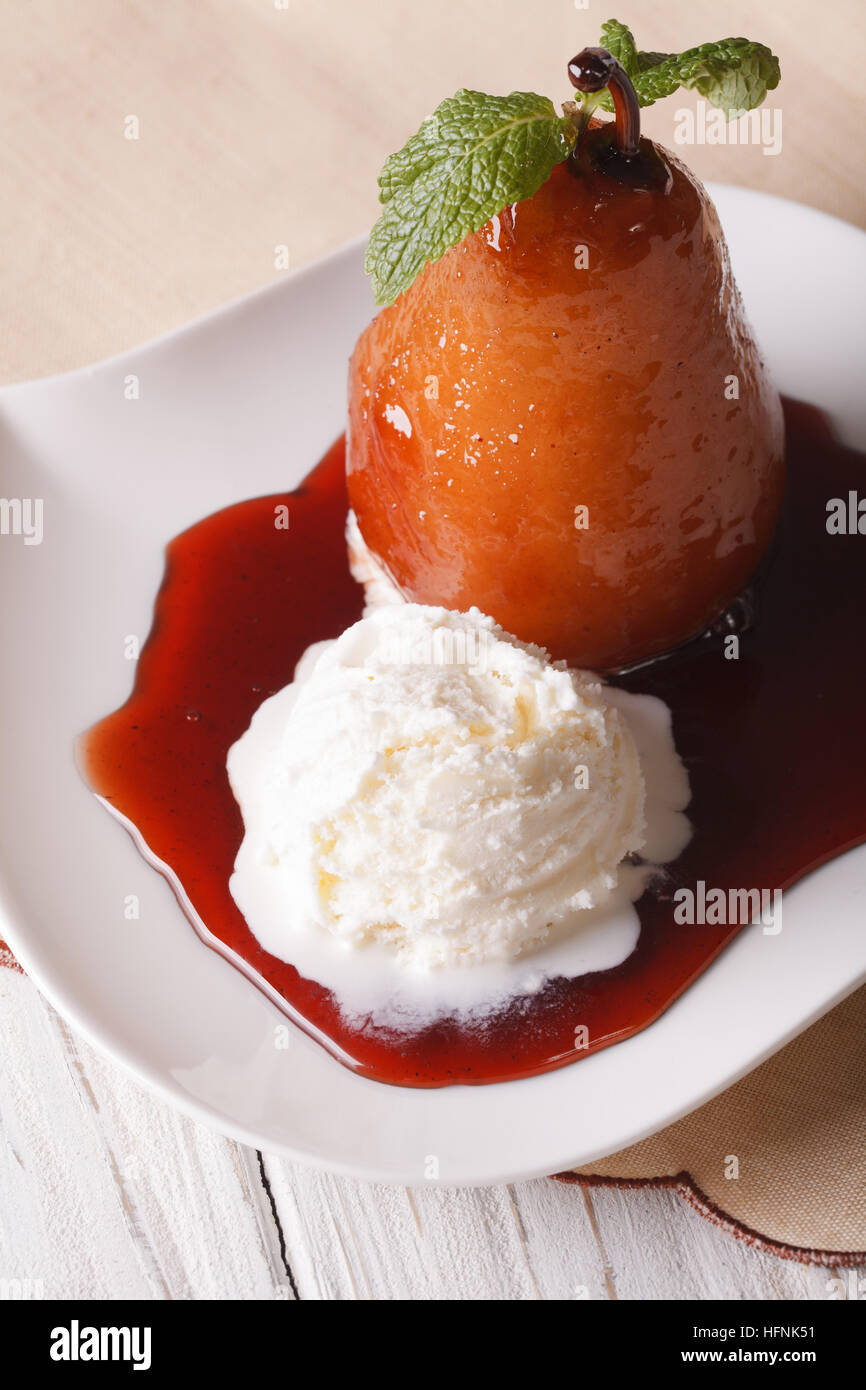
772 742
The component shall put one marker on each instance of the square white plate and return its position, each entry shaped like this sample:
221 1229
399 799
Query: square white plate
243 402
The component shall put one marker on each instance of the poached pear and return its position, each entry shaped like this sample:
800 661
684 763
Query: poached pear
565 421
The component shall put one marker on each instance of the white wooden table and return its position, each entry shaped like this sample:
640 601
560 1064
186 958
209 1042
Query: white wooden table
105 1192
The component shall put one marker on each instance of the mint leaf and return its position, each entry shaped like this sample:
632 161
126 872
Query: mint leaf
651 60
469 160
731 74
619 41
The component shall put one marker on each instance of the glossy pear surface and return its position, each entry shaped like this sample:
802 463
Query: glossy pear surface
566 422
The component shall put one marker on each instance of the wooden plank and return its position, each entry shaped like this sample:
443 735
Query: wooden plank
62 1226
105 1192
348 1239
661 1248
533 1240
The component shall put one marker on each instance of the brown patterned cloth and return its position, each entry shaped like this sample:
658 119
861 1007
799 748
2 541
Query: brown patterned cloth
795 1127
7 958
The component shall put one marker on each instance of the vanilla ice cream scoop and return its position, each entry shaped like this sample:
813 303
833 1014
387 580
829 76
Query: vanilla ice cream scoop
439 786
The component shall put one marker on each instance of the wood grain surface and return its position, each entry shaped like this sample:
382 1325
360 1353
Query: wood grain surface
105 1192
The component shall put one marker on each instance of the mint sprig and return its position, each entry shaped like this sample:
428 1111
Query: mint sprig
731 74
477 154
470 159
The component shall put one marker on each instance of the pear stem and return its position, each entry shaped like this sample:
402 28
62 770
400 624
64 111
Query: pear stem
594 69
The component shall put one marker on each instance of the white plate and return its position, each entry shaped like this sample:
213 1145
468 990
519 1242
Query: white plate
244 402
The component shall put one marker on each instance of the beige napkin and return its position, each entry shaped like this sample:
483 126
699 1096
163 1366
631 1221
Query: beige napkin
778 1159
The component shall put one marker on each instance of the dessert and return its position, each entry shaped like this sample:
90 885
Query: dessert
760 817
451 858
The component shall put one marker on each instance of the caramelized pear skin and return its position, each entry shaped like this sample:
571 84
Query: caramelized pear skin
566 422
